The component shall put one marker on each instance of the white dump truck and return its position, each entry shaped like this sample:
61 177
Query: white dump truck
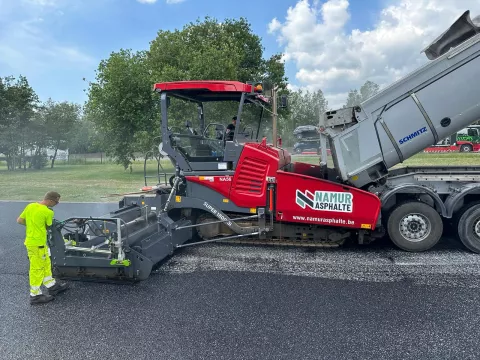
430 104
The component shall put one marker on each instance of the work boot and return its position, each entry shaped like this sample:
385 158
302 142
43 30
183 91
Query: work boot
58 288
40 299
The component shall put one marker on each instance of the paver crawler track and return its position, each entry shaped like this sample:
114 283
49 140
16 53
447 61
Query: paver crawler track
282 234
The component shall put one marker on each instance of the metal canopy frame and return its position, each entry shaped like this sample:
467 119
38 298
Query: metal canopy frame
200 92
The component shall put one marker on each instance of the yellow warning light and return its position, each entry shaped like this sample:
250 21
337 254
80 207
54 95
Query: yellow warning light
178 199
258 88
366 226
253 210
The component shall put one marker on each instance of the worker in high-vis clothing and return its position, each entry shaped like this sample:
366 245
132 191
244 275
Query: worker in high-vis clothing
37 217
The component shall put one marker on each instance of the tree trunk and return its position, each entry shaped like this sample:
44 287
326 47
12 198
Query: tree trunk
55 154
23 160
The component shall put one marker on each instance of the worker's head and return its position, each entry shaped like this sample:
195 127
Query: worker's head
234 120
51 198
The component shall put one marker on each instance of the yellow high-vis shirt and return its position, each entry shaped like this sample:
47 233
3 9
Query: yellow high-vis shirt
37 218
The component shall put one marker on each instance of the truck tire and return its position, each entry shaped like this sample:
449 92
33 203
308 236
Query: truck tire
466 148
458 215
469 228
414 226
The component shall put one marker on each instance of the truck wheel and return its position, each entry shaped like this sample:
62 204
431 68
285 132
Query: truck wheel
469 228
455 220
415 226
466 148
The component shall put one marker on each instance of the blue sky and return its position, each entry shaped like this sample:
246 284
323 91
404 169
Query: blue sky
332 45
69 40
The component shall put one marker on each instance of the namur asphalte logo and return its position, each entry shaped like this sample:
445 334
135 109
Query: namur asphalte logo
325 200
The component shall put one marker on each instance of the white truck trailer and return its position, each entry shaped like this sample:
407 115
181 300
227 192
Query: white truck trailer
429 104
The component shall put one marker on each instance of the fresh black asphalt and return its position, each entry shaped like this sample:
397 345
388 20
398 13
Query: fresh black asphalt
238 302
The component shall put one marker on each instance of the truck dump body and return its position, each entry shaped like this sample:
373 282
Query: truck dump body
429 104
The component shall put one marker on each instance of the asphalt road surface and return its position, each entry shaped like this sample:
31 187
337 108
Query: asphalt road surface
238 302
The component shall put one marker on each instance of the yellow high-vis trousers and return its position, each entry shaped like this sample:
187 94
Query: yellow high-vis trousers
40 269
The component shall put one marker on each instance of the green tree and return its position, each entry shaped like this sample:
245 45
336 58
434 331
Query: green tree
210 50
305 109
85 138
38 140
4 115
60 120
353 98
368 90
356 97
121 101
18 103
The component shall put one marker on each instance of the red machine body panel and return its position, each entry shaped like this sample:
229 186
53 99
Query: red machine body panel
300 196
247 188
304 199
257 162
210 85
220 184
199 89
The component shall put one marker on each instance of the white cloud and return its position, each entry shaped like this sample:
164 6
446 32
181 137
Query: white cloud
274 26
147 1
174 1
328 57
26 44
292 87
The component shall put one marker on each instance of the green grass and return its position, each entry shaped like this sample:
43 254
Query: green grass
77 183
93 182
